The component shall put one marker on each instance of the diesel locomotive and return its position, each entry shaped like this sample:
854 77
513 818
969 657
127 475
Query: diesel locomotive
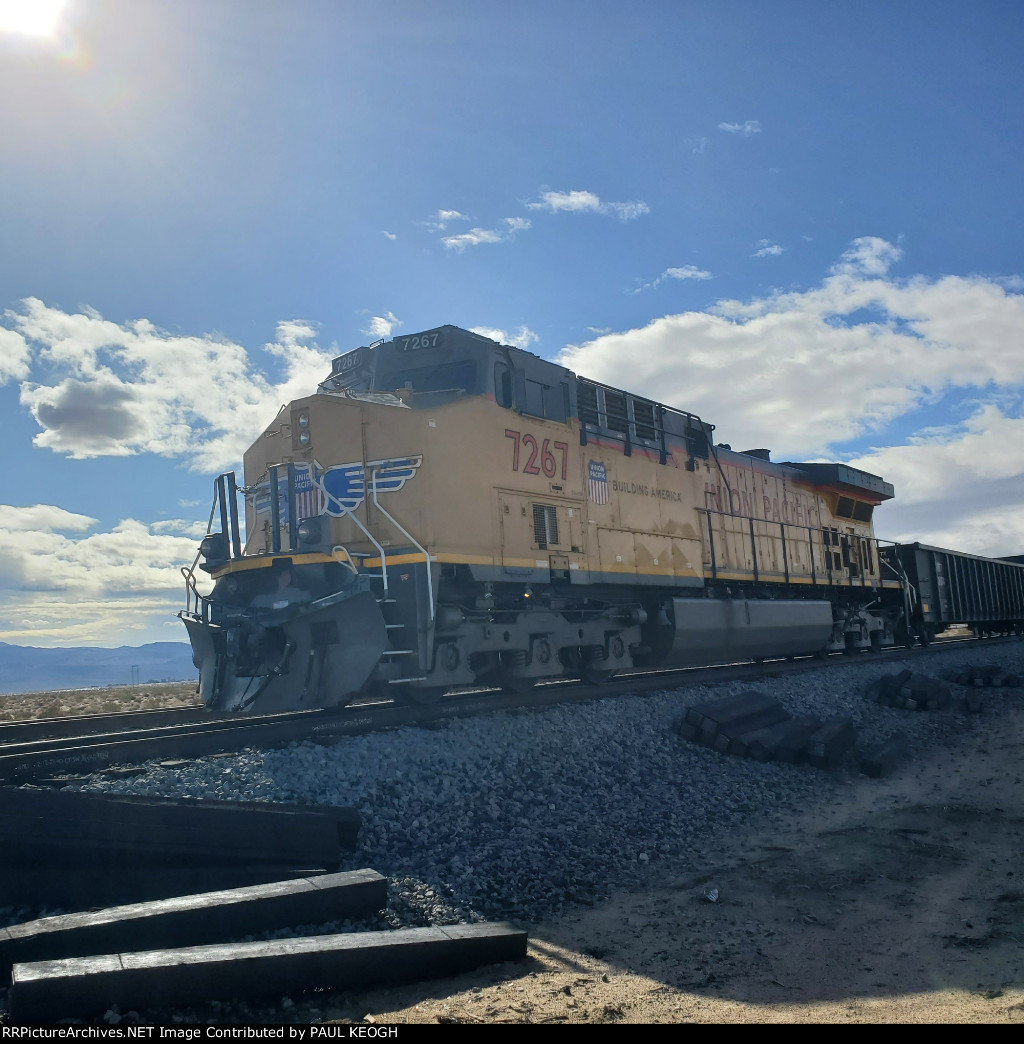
446 510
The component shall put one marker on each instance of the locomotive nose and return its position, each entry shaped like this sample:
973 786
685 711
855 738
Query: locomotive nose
289 656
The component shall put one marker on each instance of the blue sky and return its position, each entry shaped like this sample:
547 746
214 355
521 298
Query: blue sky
800 220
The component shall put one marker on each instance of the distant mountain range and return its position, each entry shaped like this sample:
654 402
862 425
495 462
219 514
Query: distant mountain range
28 669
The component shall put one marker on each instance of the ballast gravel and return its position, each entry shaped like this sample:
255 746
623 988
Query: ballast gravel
517 815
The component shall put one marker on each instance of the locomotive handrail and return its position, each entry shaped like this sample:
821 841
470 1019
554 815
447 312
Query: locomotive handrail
860 580
348 557
369 536
192 595
411 538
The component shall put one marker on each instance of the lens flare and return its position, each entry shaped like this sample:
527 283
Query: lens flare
30 17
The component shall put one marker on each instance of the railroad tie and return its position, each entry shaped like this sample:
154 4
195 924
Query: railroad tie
45 991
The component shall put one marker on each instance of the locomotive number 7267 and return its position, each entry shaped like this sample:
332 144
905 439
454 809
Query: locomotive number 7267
538 458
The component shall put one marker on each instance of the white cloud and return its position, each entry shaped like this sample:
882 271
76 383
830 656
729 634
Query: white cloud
442 219
478 236
766 248
697 145
685 272
42 517
121 390
131 557
576 201
522 338
959 487
629 211
580 201
382 325
64 582
182 527
867 256
745 129
389 235
14 355
474 237
806 371
52 622
682 273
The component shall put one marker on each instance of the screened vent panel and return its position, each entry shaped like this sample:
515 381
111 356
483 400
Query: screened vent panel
586 395
545 525
615 411
644 420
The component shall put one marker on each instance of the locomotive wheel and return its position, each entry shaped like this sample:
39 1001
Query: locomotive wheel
412 696
503 676
592 672
594 675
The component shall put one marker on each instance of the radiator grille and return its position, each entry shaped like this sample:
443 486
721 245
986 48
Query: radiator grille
587 398
545 525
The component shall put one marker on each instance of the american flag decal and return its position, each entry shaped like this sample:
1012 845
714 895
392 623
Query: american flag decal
598 476
309 497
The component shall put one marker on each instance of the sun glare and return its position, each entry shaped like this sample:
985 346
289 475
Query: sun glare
30 17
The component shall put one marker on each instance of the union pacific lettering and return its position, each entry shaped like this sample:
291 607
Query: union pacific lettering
749 505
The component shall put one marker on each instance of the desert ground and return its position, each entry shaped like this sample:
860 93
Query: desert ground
902 904
67 702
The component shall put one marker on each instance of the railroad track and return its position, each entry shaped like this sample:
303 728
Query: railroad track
54 750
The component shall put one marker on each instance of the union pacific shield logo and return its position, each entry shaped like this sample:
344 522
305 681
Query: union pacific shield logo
598 475
345 486
309 498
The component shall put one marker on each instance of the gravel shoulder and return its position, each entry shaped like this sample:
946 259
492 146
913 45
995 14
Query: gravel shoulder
841 898
903 902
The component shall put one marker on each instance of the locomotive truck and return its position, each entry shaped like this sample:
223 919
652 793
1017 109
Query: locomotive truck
446 510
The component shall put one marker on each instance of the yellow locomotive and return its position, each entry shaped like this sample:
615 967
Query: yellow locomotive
446 510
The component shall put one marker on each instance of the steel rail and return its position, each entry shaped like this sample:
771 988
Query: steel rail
63 758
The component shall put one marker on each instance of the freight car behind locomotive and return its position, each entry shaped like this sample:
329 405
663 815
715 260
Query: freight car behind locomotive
950 587
446 510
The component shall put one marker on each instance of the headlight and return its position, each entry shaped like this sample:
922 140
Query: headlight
309 531
214 548
304 438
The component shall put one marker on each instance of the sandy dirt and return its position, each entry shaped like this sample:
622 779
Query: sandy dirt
904 904
68 702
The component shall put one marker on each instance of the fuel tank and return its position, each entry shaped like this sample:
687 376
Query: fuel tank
695 631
